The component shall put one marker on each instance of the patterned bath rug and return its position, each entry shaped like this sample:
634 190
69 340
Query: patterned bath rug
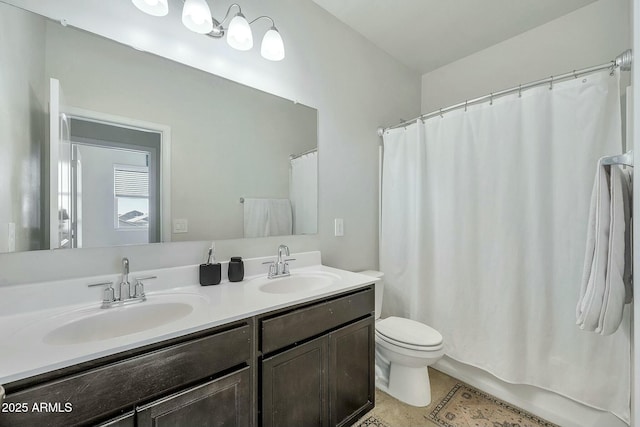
464 406
371 421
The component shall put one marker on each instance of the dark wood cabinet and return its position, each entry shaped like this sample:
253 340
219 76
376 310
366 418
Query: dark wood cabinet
221 402
320 371
101 390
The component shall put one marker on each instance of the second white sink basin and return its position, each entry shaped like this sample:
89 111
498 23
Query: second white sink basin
297 282
98 324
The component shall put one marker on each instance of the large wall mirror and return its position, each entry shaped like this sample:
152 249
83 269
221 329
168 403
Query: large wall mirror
147 149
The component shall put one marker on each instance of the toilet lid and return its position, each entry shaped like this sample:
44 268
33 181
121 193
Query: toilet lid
409 332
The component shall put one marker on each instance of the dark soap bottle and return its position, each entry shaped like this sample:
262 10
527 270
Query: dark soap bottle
236 269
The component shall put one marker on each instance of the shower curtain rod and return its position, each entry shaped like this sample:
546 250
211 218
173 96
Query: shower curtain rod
295 156
622 61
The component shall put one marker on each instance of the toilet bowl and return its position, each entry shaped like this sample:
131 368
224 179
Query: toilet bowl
404 350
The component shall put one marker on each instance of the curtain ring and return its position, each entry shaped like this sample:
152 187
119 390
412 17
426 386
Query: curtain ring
519 91
491 99
575 76
441 116
551 83
613 68
465 105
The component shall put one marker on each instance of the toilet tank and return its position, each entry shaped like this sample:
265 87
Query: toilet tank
379 289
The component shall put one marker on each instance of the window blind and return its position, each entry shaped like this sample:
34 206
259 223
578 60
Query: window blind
131 182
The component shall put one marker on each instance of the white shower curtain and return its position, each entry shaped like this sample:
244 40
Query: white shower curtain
303 192
483 229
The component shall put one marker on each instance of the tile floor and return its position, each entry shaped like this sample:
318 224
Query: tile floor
393 413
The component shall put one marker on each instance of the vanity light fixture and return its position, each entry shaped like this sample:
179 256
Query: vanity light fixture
196 16
153 7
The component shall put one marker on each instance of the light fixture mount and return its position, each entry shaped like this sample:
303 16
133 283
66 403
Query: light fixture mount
218 30
196 16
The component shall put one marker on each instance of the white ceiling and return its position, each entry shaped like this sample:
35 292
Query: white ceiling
427 34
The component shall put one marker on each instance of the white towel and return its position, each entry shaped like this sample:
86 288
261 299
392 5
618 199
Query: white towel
280 217
606 278
267 217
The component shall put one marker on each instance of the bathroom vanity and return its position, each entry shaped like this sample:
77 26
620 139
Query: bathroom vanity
273 355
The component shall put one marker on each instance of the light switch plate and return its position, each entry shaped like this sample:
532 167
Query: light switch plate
339 227
180 225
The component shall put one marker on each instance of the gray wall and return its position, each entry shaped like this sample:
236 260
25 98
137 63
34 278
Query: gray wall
592 35
22 126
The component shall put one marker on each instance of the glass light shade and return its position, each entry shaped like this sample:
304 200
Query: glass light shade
272 47
239 33
152 7
196 16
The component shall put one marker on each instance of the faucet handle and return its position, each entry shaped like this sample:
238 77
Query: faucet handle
140 279
285 269
139 289
109 293
272 268
109 284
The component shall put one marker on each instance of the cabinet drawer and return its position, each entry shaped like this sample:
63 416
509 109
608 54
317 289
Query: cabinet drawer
97 393
303 323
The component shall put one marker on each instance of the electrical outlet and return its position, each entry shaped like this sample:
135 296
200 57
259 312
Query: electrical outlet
180 225
339 227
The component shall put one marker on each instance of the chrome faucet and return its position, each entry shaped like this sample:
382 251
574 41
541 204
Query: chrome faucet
280 268
125 286
125 296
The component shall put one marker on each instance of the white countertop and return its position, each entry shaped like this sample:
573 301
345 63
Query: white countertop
30 312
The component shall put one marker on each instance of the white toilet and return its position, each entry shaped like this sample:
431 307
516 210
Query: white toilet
404 349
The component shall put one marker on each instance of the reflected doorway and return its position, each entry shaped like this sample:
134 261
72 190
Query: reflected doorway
115 185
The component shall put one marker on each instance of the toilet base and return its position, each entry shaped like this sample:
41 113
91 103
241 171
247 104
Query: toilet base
409 385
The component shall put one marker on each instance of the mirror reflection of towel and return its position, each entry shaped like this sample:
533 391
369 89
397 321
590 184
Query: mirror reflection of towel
267 217
606 279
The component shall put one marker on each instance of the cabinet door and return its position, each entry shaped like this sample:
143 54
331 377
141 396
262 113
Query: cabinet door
222 402
294 387
127 420
351 371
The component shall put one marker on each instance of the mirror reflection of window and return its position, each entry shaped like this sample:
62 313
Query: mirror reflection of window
131 192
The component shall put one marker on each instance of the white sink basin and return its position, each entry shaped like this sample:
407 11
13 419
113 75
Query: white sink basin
98 324
297 282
